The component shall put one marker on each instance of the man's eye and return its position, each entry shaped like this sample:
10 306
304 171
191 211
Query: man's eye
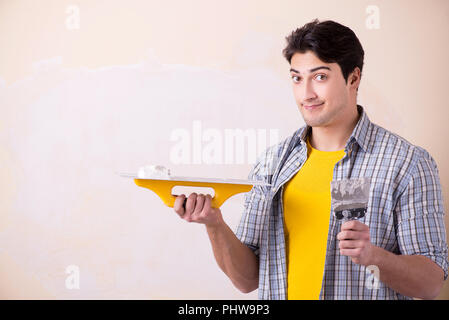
296 79
321 77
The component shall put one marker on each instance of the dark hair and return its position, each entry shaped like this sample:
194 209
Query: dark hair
330 41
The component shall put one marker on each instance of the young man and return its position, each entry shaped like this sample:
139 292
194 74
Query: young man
289 243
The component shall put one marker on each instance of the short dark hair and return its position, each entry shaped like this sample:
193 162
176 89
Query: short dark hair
330 41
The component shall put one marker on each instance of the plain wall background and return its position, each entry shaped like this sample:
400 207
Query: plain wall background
89 88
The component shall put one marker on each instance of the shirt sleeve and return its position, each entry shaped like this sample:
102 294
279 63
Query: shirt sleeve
420 214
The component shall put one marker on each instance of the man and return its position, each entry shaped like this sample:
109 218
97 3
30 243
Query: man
289 243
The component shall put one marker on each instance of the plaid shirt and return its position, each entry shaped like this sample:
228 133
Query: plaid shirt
405 210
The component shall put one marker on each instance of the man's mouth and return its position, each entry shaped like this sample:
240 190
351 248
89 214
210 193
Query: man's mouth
313 106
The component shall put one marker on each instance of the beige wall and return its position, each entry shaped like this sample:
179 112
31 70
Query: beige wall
85 94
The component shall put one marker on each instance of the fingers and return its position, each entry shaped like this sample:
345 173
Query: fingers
207 203
351 244
190 207
353 253
353 249
352 235
354 242
179 206
198 209
354 225
199 205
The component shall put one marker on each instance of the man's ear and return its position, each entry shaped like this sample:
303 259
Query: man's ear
354 77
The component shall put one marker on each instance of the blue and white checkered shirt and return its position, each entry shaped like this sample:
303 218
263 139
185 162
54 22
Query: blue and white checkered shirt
405 210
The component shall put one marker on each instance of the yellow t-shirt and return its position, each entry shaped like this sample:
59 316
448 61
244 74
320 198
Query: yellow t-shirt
307 203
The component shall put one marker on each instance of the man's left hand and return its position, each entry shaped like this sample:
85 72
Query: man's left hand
354 242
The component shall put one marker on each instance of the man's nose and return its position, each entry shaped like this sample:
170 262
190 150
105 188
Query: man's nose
309 92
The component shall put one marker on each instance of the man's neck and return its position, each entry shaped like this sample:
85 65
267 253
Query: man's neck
334 138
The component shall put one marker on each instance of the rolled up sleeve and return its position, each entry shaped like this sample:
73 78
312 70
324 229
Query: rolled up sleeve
420 214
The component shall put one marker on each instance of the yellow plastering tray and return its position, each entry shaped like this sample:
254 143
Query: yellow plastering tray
223 188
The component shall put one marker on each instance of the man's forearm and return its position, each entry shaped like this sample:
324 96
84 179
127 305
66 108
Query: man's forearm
411 275
236 260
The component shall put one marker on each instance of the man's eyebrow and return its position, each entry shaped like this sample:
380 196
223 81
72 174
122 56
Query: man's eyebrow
313 69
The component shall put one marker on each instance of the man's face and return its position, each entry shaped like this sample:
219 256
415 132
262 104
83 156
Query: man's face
320 90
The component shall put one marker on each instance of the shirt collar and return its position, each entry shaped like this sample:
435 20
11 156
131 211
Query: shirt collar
361 133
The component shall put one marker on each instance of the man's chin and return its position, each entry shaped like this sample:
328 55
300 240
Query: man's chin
314 123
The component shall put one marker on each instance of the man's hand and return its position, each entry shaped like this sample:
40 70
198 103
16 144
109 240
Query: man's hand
355 242
198 209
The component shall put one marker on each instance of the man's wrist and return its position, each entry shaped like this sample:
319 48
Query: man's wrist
216 226
378 256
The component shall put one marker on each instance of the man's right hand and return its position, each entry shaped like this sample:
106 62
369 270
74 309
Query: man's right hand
198 209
